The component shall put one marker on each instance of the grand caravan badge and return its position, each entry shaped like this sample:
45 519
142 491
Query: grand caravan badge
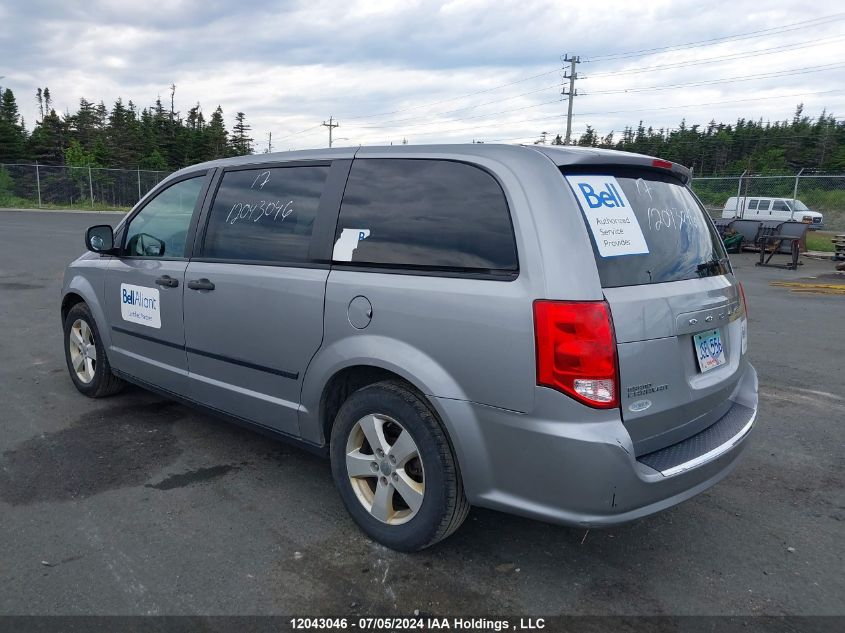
141 305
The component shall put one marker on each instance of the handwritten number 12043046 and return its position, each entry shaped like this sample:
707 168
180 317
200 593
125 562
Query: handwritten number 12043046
244 211
265 208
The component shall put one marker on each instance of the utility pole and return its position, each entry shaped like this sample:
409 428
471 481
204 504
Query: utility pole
330 125
269 142
571 92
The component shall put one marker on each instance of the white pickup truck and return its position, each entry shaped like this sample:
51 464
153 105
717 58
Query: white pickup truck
764 208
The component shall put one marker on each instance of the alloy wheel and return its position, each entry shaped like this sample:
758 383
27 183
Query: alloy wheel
83 351
384 467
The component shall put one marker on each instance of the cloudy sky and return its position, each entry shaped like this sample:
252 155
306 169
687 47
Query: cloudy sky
431 71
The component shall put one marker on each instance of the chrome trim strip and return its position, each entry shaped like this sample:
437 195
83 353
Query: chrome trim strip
713 453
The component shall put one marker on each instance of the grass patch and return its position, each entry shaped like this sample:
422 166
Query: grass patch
14 202
820 241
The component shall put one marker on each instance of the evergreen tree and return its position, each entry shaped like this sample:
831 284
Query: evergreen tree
215 136
588 138
241 143
47 143
84 126
123 136
12 131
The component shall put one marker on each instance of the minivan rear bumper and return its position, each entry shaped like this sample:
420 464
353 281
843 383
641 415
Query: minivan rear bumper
585 473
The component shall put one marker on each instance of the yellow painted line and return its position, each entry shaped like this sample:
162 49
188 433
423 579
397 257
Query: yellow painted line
820 291
821 288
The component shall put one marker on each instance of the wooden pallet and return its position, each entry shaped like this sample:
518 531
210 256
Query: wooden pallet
839 246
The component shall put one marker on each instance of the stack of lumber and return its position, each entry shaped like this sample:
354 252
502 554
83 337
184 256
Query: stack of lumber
839 246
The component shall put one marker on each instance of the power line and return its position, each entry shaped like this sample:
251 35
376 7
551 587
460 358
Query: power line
551 117
386 124
477 105
308 129
470 94
777 73
407 120
736 37
675 143
732 56
726 80
477 116
315 127
693 105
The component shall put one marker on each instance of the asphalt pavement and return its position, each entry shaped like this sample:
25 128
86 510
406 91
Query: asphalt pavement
136 505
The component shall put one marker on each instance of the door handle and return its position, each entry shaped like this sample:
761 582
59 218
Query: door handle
167 280
200 284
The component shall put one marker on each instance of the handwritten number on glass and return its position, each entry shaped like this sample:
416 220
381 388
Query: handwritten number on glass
256 212
667 218
261 179
244 211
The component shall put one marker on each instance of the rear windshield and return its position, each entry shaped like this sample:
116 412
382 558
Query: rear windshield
646 227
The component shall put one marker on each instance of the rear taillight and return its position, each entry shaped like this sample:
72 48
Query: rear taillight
744 302
576 351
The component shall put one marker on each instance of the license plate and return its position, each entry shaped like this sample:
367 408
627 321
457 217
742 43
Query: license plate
709 350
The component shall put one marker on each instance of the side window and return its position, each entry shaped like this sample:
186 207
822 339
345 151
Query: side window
424 214
779 205
160 228
764 205
752 204
265 214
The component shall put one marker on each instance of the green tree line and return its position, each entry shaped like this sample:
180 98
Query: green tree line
716 149
160 138
155 138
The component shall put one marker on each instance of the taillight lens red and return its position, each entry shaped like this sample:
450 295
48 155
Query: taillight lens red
576 351
744 302
663 164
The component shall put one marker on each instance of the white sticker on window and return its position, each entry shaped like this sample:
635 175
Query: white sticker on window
347 243
140 304
609 215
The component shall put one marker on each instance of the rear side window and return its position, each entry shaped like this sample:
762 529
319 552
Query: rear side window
646 227
753 204
425 214
265 215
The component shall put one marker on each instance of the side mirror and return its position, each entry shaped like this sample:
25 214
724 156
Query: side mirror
100 239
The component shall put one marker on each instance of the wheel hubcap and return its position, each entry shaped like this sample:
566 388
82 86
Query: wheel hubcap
384 467
83 351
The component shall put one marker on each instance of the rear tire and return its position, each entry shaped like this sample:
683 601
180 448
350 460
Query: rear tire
406 492
86 357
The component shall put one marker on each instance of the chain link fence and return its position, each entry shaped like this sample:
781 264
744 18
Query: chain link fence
104 188
52 186
824 193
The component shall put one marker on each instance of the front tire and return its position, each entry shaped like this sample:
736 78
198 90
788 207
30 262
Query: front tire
395 469
85 355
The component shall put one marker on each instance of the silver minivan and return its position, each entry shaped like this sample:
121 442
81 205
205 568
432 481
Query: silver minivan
553 332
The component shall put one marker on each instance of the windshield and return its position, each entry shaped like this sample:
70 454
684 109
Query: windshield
645 227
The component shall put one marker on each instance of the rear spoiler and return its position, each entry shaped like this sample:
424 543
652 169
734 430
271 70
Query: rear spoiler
563 156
